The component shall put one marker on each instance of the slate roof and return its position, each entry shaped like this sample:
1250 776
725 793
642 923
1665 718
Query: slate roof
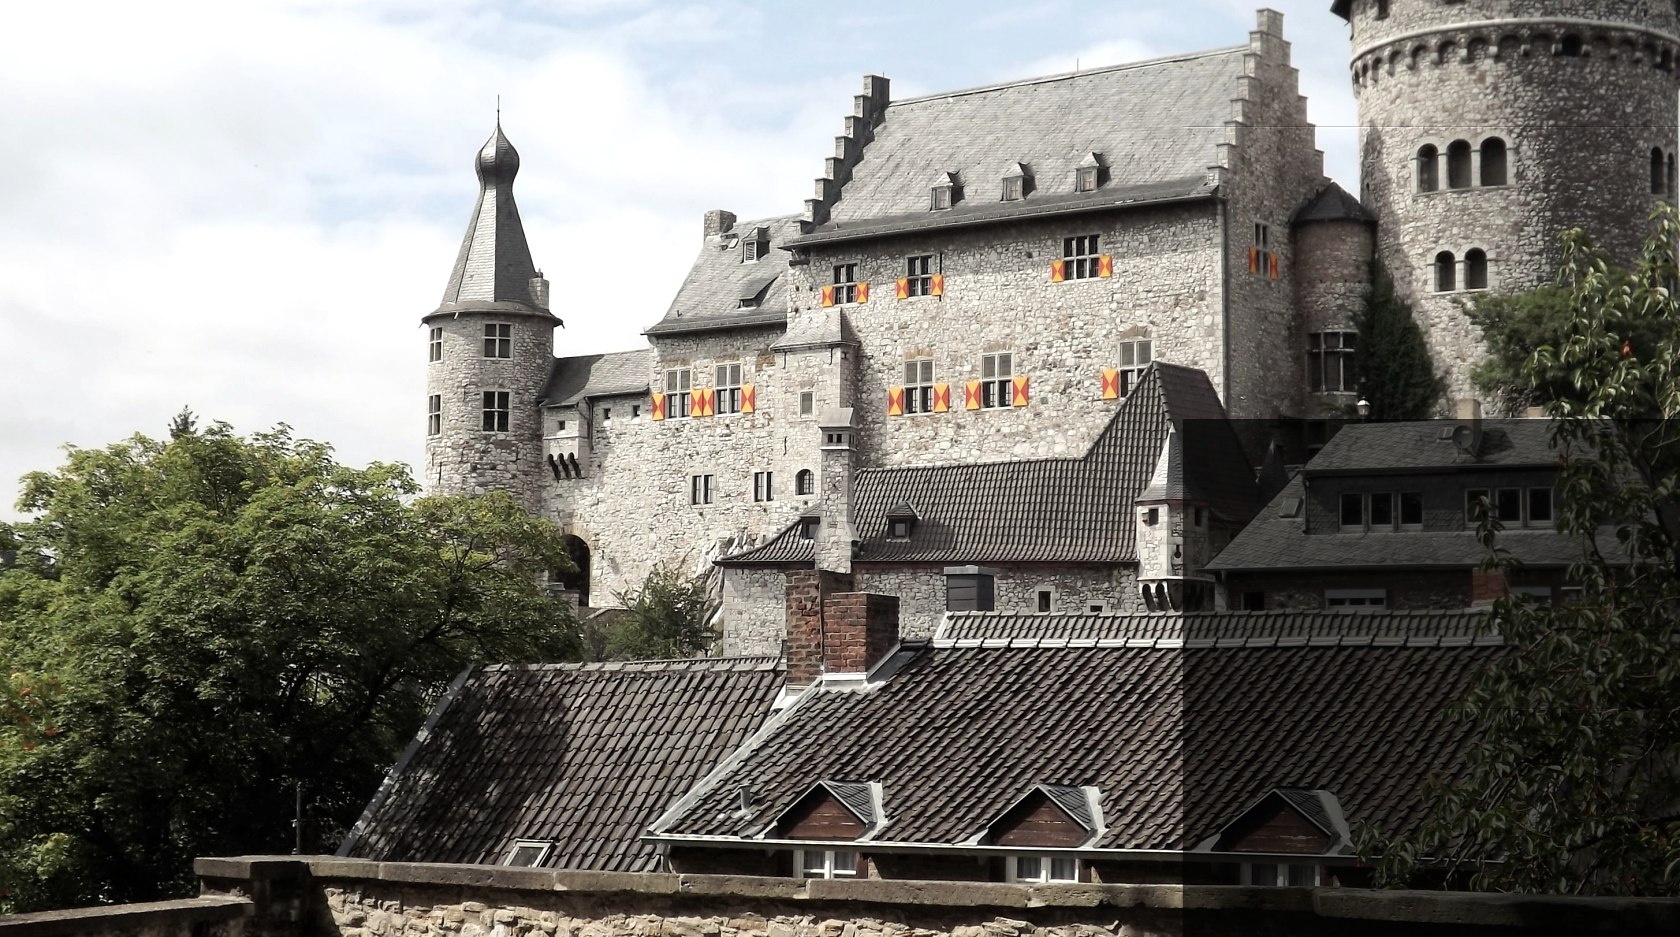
1333 203
1178 741
493 270
1273 542
1427 444
614 374
1417 627
1155 125
585 755
710 297
1068 510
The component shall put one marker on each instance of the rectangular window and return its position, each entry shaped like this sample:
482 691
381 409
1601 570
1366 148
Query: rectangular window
1044 869
825 863
845 284
1079 255
1411 510
808 527
1539 507
1355 598
918 385
1353 512
898 528
1014 188
434 345
496 411
528 853
1280 875
918 275
498 340
1330 362
1135 356
699 489
807 402
1382 511
1508 505
1262 236
434 415
997 372
678 383
728 386
1045 601
635 410
761 486
606 414
1472 498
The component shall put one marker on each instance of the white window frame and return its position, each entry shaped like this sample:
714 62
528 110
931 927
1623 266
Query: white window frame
434 415
918 275
1253 873
754 248
918 385
1047 870
997 380
1371 599
831 866
1014 188
1085 178
496 401
726 389
1135 356
543 847
498 340
1080 256
845 284
1332 347
700 489
679 383
434 344
764 486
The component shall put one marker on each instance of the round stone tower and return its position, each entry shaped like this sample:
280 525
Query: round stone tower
489 350
1487 127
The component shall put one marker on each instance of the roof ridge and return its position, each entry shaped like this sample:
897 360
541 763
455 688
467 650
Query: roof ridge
1064 76
756 662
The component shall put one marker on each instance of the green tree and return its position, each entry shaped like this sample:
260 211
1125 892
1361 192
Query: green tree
669 616
1574 785
1513 325
195 629
1396 375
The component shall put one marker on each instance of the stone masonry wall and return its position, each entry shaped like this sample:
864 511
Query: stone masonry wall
1332 284
921 591
1449 588
756 622
1579 105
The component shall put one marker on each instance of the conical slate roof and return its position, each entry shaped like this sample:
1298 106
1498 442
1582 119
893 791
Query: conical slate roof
494 265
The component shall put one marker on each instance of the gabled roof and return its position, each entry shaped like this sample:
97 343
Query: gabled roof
1333 203
584 755
1075 802
1177 740
1421 627
617 373
1318 807
1157 125
1075 510
858 799
710 297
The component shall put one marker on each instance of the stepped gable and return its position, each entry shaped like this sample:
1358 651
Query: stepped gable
582 755
723 290
1422 627
614 374
1154 126
1179 741
1075 510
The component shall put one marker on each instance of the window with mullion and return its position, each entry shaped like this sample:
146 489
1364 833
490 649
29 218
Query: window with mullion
1044 869
1135 356
997 372
498 340
434 415
678 383
845 284
919 275
728 388
434 351
918 385
496 411
1330 361
1080 257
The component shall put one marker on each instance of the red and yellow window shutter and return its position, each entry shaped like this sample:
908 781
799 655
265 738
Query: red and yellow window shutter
941 398
1018 391
1272 264
658 409
1105 266
1111 384
701 404
971 395
1254 260
749 398
827 296
903 288
1058 271
938 288
895 401
862 293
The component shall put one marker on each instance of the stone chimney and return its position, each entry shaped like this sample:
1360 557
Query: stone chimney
835 536
539 290
1468 436
719 222
834 631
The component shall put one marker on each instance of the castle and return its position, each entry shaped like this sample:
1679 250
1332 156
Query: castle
993 351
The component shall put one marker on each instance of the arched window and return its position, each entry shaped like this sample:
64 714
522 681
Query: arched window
1428 168
1475 270
805 482
1659 171
1458 164
1494 160
1446 272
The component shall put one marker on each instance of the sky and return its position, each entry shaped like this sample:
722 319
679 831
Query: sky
246 207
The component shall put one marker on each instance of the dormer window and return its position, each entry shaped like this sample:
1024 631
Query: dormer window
1088 174
1015 183
944 191
901 522
808 527
755 246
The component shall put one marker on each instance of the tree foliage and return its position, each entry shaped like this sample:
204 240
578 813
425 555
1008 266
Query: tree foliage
1513 325
668 617
1396 375
1574 785
195 628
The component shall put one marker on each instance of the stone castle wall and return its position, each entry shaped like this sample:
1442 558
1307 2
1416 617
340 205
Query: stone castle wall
1541 76
1332 284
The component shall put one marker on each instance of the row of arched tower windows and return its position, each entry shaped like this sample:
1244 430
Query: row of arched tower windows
1461 164
1475 271
1662 172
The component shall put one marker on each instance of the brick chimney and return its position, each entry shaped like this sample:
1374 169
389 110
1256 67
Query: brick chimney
834 631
